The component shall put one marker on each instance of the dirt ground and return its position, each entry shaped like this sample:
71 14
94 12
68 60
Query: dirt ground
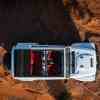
11 89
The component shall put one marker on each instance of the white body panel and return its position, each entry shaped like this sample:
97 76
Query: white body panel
85 62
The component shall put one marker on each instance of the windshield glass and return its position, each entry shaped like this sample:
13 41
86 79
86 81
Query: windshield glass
70 62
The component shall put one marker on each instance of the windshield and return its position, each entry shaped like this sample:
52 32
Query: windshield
70 62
